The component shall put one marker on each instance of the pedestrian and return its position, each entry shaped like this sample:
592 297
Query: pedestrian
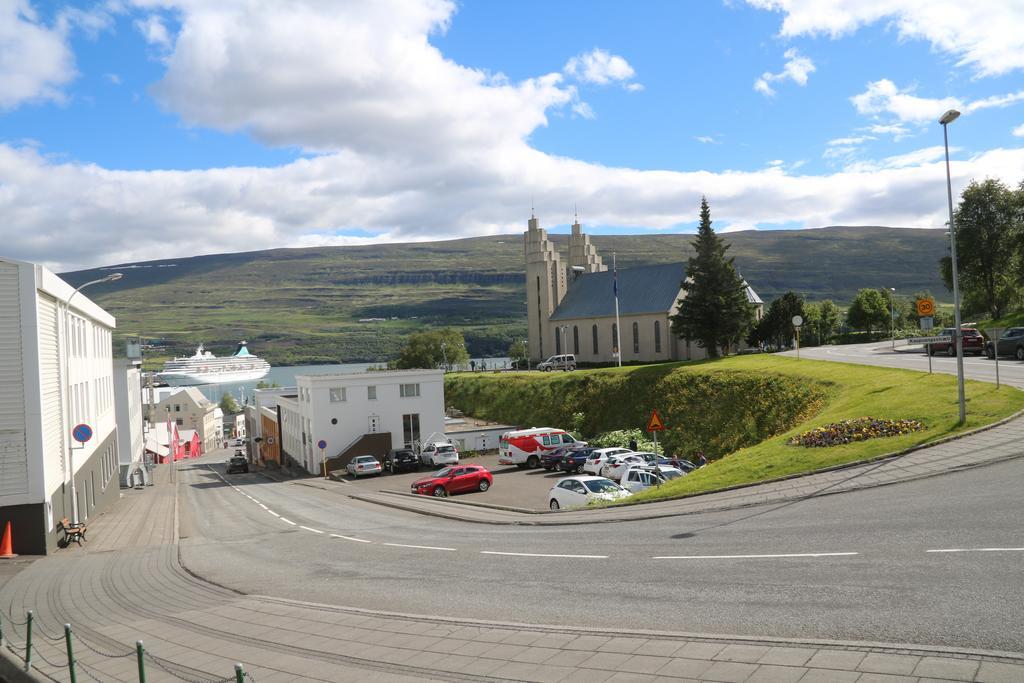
633 445
701 459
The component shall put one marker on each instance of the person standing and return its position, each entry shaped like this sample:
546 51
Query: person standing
632 445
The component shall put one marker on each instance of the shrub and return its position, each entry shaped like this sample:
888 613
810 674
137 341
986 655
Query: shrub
860 429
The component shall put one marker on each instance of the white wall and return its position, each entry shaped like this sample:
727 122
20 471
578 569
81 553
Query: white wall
128 411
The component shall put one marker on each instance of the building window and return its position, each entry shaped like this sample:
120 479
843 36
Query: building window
576 340
615 338
558 340
636 338
180 422
371 393
337 394
177 408
411 428
657 336
594 330
409 391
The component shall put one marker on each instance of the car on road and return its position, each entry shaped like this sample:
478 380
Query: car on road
562 362
238 442
577 491
238 463
434 454
616 465
363 465
599 456
640 477
401 460
1011 343
573 460
525 447
457 479
973 341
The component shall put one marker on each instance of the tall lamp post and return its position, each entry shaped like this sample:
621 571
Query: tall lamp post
892 316
66 316
948 118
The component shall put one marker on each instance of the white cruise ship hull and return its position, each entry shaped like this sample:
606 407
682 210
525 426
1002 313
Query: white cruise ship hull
184 378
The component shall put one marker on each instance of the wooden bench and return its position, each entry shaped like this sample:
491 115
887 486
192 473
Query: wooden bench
72 532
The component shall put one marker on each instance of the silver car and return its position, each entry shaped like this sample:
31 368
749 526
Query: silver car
362 465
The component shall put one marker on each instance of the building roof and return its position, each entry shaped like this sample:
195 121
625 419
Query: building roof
651 289
752 296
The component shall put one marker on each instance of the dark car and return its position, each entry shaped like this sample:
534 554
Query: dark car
552 459
401 460
668 461
1010 344
572 460
238 463
974 342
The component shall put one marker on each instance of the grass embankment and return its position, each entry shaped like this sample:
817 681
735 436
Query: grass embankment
813 393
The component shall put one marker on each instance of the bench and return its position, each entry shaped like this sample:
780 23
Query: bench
72 532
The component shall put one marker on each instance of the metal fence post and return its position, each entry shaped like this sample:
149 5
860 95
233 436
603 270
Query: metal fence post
1 630
28 641
140 653
239 674
71 654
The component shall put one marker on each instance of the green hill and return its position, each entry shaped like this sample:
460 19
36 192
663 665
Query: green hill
304 305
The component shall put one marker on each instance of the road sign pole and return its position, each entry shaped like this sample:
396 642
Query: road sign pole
997 369
928 350
655 433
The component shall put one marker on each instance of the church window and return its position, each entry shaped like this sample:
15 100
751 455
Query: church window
636 338
558 341
657 336
595 339
576 340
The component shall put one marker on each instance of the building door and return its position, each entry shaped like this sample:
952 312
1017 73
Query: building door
374 425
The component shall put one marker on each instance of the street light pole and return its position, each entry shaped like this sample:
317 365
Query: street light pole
948 118
892 316
66 359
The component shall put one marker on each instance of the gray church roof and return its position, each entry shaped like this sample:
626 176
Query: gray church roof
650 289
752 296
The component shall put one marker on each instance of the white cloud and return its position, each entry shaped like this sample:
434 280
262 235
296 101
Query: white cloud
601 68
797 68
1019 131
706 139
153 30
112 78
896 130
858 140
35 61
884 97
985 36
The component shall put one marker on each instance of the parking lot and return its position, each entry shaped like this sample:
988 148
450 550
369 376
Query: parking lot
513 487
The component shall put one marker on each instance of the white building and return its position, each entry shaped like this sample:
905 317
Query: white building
359 414
188 408
128 411
56 371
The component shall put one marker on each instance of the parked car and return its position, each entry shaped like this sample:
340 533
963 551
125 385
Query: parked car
401 460
616 465
458 479
640 477
238 463
974 342
1010 344
440 453
553 459
238 442
525 447
667 461
574 459
363 465
576 491
565 361
599 456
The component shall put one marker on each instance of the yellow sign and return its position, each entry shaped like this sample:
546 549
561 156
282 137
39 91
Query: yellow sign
655 424
925 307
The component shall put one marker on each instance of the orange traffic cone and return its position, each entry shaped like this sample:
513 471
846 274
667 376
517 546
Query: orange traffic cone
6 543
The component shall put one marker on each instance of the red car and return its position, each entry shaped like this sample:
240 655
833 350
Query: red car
454 479
973 342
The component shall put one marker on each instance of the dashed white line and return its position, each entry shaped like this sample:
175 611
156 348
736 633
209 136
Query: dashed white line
273 513
576 557
264 506
418 547
315 531
287 521
975 550
749 557
350 538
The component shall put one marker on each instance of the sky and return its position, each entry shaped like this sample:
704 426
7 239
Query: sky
134 130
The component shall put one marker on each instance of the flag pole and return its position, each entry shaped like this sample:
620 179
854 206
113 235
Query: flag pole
618 327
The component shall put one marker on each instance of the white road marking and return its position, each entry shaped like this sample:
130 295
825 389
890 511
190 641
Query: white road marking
350 538
315 531
264 506
975 550
419 547
749 557
273 513
287 521
580 557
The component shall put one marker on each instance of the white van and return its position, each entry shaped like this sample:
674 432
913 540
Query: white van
524 447
563 362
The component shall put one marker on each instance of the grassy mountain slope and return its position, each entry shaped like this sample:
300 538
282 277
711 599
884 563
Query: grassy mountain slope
303 305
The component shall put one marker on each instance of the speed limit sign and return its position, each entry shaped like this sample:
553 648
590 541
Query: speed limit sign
925 307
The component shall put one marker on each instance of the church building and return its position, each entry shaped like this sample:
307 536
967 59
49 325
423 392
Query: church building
570 305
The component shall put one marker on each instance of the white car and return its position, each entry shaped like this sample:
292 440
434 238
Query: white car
362 465
434 454
576 491
616 465
598 457
640 477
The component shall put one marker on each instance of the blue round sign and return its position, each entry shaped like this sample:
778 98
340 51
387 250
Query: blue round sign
321 444
82 433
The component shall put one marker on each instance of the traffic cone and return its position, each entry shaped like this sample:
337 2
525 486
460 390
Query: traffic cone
5 544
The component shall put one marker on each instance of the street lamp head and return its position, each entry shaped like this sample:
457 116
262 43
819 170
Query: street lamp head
949 117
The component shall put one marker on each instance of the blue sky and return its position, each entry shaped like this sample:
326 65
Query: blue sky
148 128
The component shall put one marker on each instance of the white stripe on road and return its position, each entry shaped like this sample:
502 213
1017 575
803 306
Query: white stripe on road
264 506
287 521
975 550
578 557
749 557
315 531
273 513
349 538
419 547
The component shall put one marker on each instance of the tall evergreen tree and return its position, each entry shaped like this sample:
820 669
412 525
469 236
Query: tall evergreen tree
714 312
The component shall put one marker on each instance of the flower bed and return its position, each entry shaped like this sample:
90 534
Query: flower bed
860 429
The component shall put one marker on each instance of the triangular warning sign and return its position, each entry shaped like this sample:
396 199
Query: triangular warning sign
655 424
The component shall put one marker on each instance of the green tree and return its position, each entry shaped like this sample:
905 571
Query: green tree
229 405
989 234
517 352
714 312
433 349
776 326
828 319
868 311
267 385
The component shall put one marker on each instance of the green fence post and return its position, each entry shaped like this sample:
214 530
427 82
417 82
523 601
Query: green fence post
239 674
139 652
28 641
71 654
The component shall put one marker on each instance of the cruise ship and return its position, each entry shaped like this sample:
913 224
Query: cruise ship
206 368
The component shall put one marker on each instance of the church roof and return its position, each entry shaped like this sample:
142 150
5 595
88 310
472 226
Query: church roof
650 289
752 296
